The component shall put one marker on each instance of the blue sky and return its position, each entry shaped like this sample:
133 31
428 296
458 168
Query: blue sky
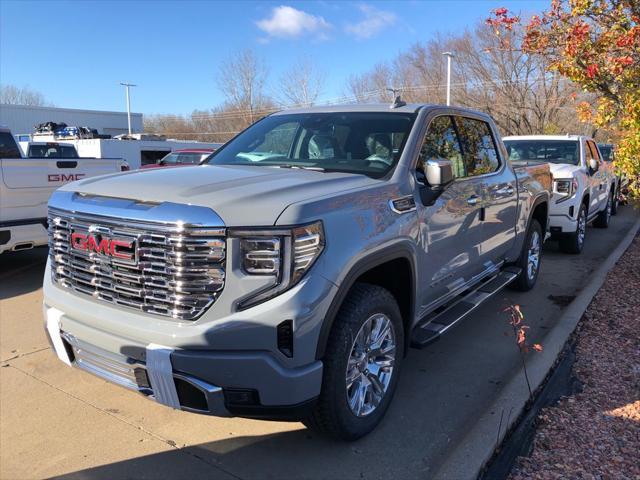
76 53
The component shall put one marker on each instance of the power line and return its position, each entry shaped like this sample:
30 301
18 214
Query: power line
233 114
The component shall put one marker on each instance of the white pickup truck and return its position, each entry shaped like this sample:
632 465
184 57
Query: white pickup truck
26 185
584 186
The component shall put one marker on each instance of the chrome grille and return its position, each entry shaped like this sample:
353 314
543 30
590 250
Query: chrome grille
176 271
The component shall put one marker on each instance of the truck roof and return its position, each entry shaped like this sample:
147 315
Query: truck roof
375 107
546 137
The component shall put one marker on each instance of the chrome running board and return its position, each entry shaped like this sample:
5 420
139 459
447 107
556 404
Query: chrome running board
442 319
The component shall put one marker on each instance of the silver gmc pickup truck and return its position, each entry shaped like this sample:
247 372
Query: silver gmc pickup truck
288 277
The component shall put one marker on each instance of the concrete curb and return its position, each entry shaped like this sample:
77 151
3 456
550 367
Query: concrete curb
471 454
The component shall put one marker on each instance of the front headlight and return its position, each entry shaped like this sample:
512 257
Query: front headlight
566 187
283 254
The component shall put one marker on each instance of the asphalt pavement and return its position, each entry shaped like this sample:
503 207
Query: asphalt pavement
58 421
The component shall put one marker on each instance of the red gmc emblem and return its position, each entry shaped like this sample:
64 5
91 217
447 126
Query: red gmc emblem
109 247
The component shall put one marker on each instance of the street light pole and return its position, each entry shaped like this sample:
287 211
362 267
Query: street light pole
449 56
127 85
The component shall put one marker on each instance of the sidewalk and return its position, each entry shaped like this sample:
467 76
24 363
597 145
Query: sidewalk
596 433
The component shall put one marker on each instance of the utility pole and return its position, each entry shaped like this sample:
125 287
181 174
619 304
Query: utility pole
449 56
127 85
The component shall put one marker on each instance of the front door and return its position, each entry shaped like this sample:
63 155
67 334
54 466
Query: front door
597 185
450 230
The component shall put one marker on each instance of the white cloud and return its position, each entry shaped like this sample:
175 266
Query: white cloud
374 21
289 22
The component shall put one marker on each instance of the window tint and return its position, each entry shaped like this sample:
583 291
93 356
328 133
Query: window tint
480 155
606 151
8 146
368 143
68 152
441 142
552 151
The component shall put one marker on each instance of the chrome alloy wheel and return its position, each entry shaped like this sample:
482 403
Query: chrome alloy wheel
609 202
582 227
370 365
533 256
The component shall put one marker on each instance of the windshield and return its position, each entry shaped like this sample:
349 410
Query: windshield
606 151
178 158
353 142
552 151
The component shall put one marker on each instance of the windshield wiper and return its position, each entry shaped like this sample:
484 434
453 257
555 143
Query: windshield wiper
300 167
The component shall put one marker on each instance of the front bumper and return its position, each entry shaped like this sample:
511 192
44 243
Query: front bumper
562 217
181 378
220 365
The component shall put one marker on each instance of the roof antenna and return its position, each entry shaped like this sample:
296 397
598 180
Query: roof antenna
398 102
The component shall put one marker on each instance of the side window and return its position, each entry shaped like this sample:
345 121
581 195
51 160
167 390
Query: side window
8 147
441 142
68 152
480 153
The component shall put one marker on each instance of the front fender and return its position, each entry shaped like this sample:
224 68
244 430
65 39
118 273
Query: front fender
400 250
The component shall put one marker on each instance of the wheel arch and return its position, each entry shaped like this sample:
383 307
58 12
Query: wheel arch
375 269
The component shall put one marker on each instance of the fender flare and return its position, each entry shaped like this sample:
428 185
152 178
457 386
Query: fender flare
379 257
539 200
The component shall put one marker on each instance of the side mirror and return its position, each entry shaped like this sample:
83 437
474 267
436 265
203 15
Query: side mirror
593 165
438 173
435 176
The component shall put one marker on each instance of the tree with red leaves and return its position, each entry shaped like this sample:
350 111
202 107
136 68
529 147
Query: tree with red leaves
595 44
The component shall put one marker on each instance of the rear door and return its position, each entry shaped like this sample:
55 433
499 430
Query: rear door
451 228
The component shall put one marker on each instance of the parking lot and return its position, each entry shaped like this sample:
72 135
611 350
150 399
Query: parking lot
60 421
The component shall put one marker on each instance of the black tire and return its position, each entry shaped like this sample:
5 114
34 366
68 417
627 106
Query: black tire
603 218
615 202
571 242
332 415
527 279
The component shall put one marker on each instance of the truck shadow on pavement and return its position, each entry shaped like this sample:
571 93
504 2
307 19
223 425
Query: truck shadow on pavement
22 272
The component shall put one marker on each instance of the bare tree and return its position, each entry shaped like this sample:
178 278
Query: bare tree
12 95
301 84
242 80
513 87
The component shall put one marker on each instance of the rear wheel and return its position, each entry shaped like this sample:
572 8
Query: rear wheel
603 218
529 260
361 364
574 242
615 202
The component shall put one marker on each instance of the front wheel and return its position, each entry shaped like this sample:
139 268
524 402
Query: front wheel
574 242
361 365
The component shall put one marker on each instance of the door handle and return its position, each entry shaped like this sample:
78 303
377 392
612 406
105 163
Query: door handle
67 164
507 191
473 200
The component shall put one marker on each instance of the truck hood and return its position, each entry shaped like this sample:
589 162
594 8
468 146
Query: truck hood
563 170
240 195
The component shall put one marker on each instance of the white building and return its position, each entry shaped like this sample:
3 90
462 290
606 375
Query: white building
22 118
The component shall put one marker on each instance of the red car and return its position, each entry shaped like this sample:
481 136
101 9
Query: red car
182 158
